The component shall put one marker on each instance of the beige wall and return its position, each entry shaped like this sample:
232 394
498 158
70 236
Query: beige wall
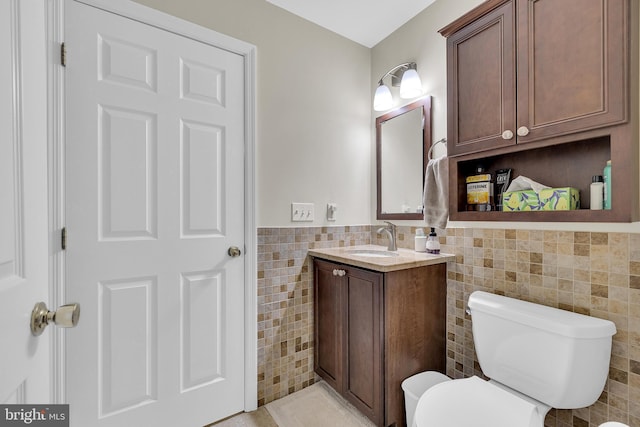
313 109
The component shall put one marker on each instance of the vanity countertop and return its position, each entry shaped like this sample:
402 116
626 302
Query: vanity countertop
405 259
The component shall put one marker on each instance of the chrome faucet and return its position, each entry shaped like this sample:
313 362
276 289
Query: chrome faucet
390 229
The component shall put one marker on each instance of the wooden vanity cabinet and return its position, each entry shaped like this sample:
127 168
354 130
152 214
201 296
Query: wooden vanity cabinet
543 87
374 329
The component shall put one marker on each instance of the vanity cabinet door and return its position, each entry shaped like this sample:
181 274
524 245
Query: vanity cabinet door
348 334
328 319
363 329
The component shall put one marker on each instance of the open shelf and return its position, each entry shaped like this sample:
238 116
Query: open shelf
568 164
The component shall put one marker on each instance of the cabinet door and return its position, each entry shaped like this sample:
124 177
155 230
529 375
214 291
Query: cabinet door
481 88
328 317
363 385
572 66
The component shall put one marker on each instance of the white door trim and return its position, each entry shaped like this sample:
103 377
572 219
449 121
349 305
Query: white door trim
55 127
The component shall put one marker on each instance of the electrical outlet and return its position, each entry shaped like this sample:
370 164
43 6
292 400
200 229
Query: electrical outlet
302 212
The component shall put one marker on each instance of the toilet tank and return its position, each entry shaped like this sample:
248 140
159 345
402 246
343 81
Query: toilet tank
555 356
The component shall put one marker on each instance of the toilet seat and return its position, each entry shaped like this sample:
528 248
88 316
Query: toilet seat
474 402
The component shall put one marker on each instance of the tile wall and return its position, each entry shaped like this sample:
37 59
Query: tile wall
285 304
591 273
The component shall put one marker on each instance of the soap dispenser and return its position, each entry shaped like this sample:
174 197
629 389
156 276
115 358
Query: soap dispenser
433 244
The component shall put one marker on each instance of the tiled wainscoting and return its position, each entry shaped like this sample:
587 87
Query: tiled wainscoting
590 273
285 304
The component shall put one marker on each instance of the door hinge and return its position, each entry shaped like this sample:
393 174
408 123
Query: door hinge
63 238
63 55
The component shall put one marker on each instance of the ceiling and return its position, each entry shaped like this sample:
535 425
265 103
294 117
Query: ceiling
364 21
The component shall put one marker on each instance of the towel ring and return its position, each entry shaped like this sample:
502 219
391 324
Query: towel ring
433 145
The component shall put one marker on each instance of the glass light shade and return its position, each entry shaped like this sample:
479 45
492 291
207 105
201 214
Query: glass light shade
410 86
382 100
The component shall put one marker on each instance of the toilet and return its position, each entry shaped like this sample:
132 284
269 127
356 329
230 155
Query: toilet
536 357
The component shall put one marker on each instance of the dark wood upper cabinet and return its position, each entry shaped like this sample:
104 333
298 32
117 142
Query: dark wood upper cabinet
549 89
571 62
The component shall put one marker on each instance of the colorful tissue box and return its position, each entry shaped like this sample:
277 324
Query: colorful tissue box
549 199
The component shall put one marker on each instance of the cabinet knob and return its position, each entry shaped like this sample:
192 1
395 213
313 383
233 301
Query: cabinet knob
507 134
523 131
335 272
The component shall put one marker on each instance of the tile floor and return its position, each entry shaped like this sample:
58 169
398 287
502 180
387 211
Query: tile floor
315 406
257 418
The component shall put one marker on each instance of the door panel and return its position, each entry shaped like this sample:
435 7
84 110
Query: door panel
202 343
155 196
127 381
127 180
23 201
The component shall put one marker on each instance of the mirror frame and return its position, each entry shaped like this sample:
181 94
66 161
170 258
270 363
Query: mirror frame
425 104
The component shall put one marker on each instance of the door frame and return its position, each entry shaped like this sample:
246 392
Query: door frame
56 132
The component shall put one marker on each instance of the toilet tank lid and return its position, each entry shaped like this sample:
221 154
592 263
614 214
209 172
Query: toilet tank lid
561 322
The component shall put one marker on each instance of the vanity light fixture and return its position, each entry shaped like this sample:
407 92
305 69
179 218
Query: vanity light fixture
403 75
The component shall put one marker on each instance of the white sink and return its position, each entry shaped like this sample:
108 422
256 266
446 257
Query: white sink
373 253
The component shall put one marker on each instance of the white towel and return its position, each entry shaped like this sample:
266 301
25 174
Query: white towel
436 193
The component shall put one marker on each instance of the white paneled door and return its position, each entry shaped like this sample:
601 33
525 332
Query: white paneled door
23 202
155 206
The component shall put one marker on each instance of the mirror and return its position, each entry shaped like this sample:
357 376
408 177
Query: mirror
403 138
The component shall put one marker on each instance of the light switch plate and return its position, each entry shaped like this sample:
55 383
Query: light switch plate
331 211
302 212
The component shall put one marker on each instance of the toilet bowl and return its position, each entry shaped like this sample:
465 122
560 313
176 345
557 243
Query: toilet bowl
537 357
485 404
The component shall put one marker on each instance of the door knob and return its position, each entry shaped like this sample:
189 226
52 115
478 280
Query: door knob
66 316
523 131
234 251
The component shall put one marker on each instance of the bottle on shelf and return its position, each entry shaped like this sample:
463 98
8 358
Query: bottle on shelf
607 185
597 193
479 191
